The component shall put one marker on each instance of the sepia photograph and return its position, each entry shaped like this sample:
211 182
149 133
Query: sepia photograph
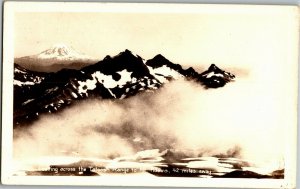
141 94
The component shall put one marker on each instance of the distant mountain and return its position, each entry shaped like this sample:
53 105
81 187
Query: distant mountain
117 77
57 57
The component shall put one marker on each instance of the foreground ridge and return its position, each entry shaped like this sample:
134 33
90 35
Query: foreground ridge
117 77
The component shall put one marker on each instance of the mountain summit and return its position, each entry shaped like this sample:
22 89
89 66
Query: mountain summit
61 52
214 77
123 61
55 58
118 77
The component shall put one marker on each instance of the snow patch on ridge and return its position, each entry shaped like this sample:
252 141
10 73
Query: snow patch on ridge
20 83
19 71
209 75
107 81
125 77
164 71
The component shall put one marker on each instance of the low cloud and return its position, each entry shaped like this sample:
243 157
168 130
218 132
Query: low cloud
236 120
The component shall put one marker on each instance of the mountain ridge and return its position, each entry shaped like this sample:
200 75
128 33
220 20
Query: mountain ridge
116 77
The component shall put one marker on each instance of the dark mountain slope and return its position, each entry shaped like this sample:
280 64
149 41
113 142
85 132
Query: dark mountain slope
115 77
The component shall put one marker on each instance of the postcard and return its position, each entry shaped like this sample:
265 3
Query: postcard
141 94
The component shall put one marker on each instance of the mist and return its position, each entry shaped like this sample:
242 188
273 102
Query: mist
238 120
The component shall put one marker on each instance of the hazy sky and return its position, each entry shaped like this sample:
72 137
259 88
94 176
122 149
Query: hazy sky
237 38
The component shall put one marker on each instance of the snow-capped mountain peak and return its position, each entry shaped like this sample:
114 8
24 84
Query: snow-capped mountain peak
62 52
55 58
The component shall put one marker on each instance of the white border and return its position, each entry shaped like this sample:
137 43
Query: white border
8 53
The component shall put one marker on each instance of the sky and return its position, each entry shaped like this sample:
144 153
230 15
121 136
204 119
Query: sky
234 38
259 42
